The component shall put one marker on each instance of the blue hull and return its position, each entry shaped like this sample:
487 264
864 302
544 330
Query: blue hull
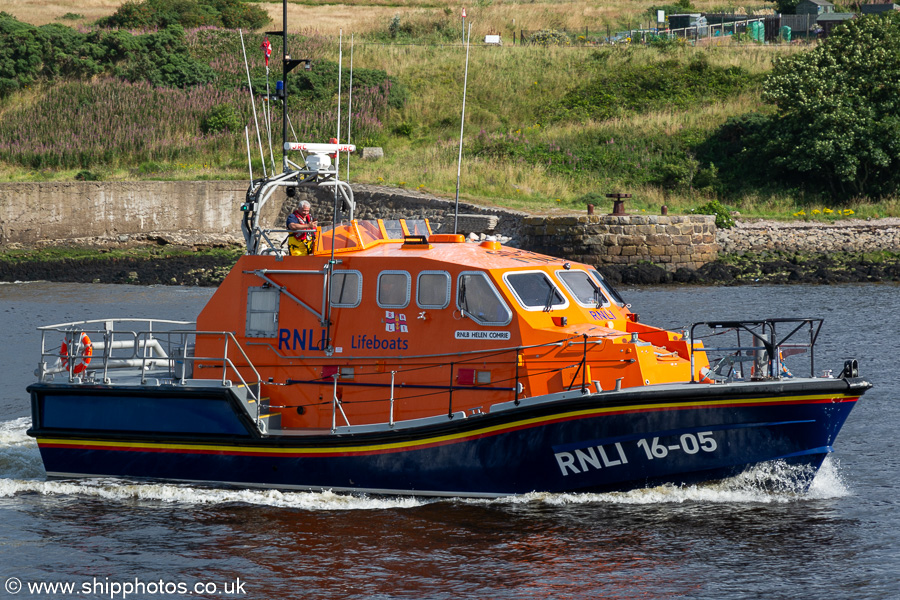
602 442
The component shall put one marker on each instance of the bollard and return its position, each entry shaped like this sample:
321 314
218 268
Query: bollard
664 210
590 209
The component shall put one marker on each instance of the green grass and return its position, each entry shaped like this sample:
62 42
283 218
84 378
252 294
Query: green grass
547 128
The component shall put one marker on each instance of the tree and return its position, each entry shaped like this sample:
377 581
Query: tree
837 118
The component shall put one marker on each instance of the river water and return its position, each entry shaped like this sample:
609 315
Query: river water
736 540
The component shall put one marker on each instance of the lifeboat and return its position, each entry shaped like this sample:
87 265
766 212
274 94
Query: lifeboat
390 358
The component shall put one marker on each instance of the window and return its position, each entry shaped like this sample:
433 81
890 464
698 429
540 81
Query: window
393 228
433 289
346 288
610 290
393 289
535 291
262 311
477 298
585 290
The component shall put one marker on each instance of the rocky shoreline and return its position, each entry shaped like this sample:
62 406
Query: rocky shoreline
202 269
197 265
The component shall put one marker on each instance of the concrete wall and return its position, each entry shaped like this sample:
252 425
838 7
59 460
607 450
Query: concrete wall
32 213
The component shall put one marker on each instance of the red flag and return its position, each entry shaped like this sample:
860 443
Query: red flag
267 50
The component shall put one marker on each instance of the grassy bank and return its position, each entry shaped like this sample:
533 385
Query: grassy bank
547 127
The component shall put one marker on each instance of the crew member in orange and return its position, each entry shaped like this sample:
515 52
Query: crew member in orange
301 223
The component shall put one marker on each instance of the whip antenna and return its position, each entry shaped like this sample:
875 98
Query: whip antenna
349 105
253 104
462 125
249 160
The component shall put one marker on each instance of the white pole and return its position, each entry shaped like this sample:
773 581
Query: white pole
269 119
249 160
253 105
349 106
337 155
462 125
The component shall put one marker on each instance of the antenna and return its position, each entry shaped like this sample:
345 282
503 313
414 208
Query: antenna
249 160
269 117
462 124
253 104
349 106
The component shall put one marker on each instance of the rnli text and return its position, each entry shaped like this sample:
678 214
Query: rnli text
299 339
589 459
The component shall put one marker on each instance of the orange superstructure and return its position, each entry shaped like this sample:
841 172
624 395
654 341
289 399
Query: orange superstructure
403 324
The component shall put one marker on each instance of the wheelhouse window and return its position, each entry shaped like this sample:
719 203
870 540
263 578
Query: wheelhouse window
346 288
262 311
393 289
535 291
433 289
609 289
583 288
479 300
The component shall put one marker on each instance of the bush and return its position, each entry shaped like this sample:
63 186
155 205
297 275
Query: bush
163 59
87 176
320 83
724 220
549 37
221 118
29 54
837 126
231 14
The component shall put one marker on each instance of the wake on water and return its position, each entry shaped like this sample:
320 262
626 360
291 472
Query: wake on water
21 471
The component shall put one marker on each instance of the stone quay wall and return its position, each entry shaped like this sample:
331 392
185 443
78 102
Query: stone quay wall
853 235
671 242
197 212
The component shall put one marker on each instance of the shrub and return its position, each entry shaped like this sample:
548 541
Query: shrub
221 118
837 123
549 37
231 14
724 220
320 83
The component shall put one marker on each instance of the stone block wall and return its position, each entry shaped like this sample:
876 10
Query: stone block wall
378 202
668 241
853 235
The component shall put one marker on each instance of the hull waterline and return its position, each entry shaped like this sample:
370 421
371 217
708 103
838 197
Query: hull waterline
596 442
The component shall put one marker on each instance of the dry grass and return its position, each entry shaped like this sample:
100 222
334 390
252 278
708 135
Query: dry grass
367 16
42 12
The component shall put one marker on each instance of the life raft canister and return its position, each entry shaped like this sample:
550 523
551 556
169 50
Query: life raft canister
82 358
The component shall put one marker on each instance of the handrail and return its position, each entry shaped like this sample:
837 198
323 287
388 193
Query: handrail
766 348
143 351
